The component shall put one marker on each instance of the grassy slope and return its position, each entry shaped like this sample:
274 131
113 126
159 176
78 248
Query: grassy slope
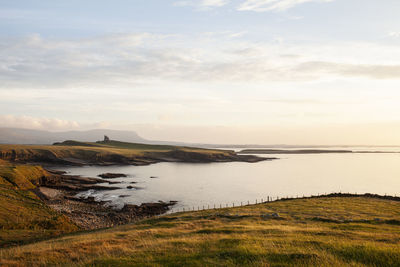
308 235
96 151
23 216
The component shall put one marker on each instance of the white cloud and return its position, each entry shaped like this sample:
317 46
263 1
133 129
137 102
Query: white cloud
214 3
29 122
127 60
202 4
351 70
182 3
273 5
394 34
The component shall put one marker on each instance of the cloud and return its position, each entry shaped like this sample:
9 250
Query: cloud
132 60
183 3
394 34
214 3
29 122
202 3
351 70
50 124
273 5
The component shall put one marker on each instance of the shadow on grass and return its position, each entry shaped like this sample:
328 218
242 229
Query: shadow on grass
367 255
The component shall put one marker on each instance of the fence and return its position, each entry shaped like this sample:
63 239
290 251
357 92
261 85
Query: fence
273 199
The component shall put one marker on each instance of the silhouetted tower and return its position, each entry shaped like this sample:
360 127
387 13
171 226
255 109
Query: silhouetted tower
106 139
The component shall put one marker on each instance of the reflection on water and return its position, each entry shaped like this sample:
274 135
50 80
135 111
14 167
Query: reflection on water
222 183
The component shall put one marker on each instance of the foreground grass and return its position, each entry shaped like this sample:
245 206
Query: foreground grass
309 232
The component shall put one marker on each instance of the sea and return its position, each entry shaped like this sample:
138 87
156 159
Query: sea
208 185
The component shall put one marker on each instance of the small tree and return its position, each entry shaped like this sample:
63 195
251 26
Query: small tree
106 139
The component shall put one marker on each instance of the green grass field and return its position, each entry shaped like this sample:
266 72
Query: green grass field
333 231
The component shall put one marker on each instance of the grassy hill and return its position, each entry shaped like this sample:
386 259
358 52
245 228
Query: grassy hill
23 216
114 152
330 231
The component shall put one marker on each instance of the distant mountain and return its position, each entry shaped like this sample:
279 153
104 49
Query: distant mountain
28 136
37 137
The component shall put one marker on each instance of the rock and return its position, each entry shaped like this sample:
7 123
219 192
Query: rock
74 183
111 175
134 187
57 172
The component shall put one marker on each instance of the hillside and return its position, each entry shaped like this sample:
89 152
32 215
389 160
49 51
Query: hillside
329 231
115 152
23 216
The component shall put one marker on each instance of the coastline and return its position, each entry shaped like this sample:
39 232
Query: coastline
113 155
59 193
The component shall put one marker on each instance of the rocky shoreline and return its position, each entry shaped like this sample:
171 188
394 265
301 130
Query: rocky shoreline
59 191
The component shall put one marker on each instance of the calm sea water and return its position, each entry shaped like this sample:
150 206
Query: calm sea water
197 185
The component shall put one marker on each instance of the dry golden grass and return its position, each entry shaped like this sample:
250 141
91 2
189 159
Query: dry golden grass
310 232
23 216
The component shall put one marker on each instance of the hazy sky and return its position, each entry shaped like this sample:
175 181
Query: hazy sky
220 71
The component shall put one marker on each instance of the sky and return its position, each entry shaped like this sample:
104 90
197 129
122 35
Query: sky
212 71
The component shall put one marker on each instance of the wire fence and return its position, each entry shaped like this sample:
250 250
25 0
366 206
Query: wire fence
273 199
